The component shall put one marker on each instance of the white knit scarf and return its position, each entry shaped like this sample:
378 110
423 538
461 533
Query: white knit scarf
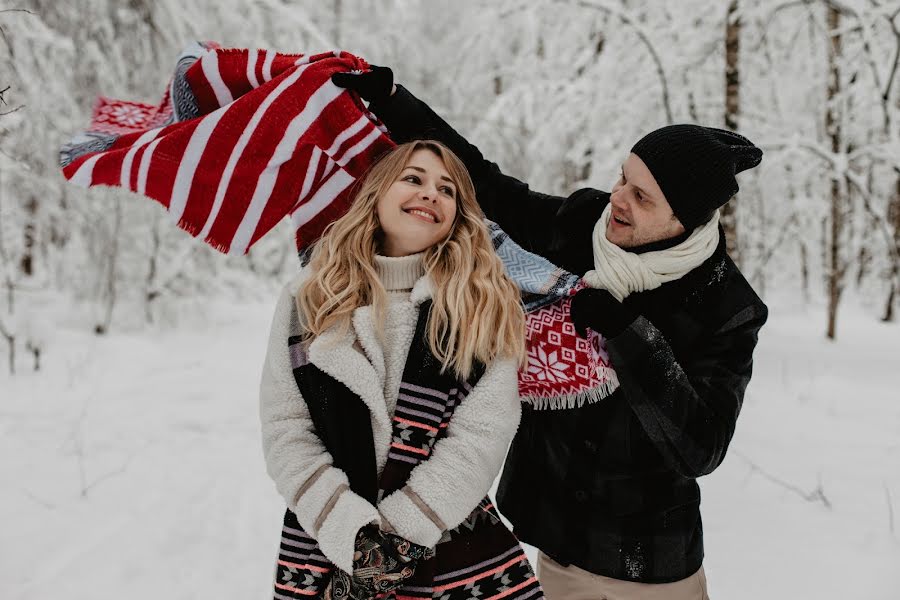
622 272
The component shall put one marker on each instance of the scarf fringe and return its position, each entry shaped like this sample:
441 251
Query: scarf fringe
576 399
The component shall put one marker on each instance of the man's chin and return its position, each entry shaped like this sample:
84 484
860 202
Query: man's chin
621 241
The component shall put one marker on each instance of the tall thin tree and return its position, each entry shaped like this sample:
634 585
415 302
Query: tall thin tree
835 268
732 110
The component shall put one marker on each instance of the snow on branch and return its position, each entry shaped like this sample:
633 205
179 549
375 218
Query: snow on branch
644 36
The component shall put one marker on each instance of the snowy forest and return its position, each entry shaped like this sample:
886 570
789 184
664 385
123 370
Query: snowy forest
121 334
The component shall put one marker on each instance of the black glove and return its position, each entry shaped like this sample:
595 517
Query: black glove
373 85
381 562
599 310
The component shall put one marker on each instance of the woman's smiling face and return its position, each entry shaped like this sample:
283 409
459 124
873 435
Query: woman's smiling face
419 208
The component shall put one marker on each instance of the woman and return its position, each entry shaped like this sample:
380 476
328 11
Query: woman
389 395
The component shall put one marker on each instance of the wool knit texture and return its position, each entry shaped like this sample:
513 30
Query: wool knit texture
622 272
695 167
398 275
241 139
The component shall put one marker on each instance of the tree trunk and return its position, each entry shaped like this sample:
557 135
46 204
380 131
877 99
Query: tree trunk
10 335
113 259
889 305
338 18
29 232
150 293
894 220
833 130
11 348
804 271
732 110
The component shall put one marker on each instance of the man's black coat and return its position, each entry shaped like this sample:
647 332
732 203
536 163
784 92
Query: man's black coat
611 487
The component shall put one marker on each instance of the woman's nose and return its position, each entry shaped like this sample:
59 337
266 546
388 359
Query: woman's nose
428 193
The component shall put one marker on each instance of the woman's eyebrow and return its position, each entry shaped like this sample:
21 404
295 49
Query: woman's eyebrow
421 170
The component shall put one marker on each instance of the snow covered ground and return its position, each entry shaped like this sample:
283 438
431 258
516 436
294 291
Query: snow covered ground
131 466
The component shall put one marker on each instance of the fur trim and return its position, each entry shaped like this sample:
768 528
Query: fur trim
387 353
408 520
294 453
337 356
337 536
292 450
423 290
367 334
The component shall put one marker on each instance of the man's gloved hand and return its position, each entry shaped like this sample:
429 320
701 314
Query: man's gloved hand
599 310
373 85
381 562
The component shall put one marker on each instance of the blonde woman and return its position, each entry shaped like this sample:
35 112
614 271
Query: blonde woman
388 396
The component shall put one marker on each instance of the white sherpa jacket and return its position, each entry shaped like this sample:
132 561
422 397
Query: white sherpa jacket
441 492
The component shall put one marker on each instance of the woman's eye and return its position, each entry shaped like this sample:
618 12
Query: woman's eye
411 179
448 190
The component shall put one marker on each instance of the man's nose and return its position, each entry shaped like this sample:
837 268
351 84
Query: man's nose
617 198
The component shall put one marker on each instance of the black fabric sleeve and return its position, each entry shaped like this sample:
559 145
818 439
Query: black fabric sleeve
689 411
525 215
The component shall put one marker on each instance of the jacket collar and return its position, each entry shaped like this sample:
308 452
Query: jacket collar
355 358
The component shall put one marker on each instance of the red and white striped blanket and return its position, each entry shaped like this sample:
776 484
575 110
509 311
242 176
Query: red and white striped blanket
241 139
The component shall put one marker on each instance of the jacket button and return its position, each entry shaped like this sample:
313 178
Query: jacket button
581 495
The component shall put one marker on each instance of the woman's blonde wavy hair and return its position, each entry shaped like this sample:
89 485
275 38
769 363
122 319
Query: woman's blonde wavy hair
476 312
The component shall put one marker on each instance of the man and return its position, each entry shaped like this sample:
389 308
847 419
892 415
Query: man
607 491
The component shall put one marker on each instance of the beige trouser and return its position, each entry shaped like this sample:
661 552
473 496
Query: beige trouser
572 583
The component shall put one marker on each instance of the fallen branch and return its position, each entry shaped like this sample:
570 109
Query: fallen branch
816 495
37 500
9 112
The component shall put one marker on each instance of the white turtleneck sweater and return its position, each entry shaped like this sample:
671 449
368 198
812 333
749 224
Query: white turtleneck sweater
398 275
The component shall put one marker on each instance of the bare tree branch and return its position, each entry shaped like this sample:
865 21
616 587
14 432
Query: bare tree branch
16 109
890 80
37 500
865 194
642 35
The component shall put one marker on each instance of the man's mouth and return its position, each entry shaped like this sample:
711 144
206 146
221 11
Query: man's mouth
423 213
621 221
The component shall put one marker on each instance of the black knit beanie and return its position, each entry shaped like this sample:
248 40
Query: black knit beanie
695 167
